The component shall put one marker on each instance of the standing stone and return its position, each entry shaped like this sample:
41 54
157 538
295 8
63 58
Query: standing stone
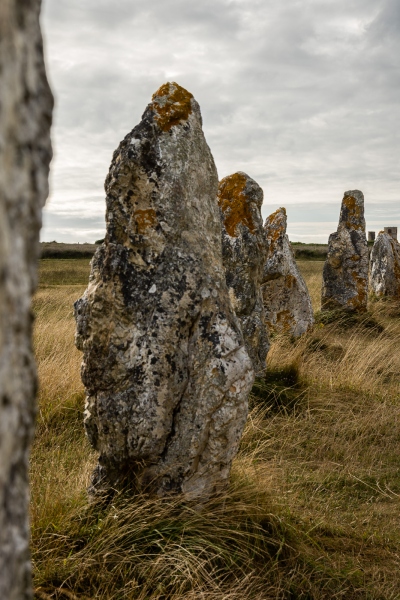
287 303
384 278
345 274
25 153
244 250
164 363
392 231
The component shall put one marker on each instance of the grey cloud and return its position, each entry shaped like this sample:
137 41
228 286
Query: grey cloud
301 95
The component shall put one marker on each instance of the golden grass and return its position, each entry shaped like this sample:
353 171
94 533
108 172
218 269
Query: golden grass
312 510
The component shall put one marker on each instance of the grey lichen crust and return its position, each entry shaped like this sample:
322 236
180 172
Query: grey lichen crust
25 152
287 303
345 274
384 277
164 364
244 249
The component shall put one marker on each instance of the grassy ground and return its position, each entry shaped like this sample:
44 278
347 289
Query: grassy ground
313 507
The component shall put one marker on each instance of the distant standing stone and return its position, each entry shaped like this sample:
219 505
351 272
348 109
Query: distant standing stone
345 273
287 303
164 363
244 251
392 231
384 279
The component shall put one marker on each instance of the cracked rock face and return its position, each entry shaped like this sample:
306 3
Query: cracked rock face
164 364
384 277
345 274
25 152
244 250
287 303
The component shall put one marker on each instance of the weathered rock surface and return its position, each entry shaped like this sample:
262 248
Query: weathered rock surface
164 363
25 153
244 251
345 274
287 303
384 277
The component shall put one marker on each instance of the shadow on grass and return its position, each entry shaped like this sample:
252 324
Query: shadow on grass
345 320
280 390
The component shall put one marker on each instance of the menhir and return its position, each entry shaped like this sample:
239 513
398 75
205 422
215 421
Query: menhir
345 274
384 277
244 249
287 303
25 152
164 364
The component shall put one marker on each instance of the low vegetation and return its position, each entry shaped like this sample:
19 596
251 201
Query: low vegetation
312 510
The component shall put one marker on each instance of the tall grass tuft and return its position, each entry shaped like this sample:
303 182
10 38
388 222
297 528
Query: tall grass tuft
313 504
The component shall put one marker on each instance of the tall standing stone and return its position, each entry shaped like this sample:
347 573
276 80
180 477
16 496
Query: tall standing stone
25 153
244 250
345 274
287 303
384 278
164 364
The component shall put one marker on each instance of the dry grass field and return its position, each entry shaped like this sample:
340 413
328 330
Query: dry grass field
313 508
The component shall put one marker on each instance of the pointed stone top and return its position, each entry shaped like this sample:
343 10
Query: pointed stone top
352 211
236 194
277 222
172 105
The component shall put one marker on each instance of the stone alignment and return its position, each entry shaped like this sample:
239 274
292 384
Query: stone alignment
384 277
244 251
287 303
345 274
25 153
164 363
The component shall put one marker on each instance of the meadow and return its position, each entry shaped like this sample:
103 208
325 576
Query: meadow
312 511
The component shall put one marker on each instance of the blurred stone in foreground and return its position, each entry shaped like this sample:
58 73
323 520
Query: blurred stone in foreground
25 153
384 278
287 303
164 363
244 251
345 274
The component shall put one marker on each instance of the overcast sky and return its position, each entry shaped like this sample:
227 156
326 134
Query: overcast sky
301 95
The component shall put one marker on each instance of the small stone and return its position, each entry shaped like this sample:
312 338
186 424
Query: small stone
345 273
287 303
166 373
384 279
244 250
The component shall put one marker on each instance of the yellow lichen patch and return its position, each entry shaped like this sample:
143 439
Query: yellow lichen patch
172 104
284 321
233 203
359 301
290 281
145 219
275 226
354 213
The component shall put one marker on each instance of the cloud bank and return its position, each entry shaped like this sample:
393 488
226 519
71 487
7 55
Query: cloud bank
302 95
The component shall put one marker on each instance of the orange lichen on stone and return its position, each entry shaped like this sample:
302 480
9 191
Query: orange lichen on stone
172 104
359 301
276 227
284 320
290 281
145 219
233 203
355 213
